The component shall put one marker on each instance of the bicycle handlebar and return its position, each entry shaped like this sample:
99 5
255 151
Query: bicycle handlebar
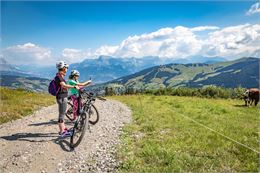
91 95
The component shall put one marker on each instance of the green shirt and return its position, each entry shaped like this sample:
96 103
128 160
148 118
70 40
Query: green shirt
73 91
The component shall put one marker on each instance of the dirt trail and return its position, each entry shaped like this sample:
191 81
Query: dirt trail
31 144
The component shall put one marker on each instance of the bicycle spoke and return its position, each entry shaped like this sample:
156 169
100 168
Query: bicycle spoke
79 130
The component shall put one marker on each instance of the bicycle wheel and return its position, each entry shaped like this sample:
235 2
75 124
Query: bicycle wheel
79 130
93 115
69 112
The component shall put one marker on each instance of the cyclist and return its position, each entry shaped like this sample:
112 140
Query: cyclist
74 93
62 95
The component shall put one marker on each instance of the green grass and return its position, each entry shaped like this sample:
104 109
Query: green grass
160 139
15 104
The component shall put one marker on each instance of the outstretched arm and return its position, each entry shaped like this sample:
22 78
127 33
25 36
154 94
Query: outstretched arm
85 83
64 85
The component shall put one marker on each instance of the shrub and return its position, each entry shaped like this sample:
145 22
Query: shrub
206 92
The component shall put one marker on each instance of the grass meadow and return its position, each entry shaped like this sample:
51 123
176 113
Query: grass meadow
170 133
15 104
163 136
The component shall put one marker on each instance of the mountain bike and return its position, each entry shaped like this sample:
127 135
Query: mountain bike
94 114
83 116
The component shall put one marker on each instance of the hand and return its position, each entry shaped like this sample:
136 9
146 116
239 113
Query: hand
77 87
90 81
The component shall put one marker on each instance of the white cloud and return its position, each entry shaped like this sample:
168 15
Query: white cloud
75 55
255 8
166 42
28 53
105 50
233 42
204 28
180 42
183 42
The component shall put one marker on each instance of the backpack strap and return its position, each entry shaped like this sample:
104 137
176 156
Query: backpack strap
63 80
58 74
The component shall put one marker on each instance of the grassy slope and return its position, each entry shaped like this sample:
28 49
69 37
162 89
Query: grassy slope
244 71
15 104
160 139
30 83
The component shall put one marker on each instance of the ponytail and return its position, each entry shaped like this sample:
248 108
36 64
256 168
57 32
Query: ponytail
71 77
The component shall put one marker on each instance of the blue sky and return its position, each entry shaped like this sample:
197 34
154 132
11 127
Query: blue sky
89 25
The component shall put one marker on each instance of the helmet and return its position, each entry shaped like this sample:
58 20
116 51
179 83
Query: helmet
74 73
61 64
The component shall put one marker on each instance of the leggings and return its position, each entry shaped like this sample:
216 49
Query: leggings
75 105
62 104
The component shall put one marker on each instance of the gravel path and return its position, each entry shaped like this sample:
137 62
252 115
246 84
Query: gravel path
31 144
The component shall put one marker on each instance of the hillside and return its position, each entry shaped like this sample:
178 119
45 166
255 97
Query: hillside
106 68
28 83
243 72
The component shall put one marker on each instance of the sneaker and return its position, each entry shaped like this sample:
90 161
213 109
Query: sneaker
66 129
65 134
70 129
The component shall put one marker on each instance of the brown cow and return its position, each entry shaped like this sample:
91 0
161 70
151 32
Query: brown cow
246 98
251 95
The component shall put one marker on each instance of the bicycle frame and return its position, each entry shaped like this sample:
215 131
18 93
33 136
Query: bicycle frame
86 105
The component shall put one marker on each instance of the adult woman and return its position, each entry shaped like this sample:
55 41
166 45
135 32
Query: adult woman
62 95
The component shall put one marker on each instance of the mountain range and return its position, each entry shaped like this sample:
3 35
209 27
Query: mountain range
243 72
101 69
8 69
141 73
30 83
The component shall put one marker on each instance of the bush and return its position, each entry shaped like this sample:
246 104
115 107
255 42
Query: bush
206 92
215 92
238 93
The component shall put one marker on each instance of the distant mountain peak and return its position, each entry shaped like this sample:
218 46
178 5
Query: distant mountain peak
6 68
3 61
103 57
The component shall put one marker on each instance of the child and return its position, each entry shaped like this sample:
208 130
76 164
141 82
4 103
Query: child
74 93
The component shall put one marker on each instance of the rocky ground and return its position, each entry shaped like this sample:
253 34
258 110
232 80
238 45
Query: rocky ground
31 144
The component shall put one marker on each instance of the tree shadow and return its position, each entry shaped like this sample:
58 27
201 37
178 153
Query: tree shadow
42 137
51 122
30 137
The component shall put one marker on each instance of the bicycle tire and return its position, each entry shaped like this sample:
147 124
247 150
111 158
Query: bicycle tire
69 112
93 115
84 122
